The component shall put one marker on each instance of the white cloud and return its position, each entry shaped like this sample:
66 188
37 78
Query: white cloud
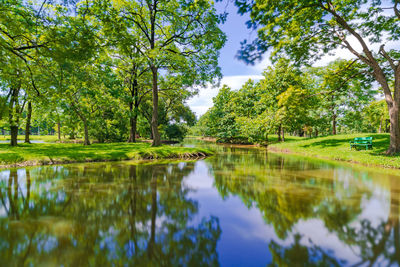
203 101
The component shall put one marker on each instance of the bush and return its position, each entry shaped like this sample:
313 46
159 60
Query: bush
176 132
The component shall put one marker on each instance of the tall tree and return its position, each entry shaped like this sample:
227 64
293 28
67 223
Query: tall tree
344 87
307 30
182 35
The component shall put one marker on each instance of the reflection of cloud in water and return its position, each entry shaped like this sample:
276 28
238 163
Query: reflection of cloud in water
315 230
3 212
251 225
200 177
375 210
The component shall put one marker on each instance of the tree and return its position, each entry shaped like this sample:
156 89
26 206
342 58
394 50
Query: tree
16 87
122 39
307 30
278 79
221 117
180 35
375 116
343 87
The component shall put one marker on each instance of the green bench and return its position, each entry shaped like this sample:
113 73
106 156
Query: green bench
361 142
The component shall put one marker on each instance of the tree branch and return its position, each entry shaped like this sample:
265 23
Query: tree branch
388 58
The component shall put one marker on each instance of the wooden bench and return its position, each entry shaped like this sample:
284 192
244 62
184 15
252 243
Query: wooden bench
361 142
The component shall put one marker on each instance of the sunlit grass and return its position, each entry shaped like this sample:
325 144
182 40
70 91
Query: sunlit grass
337 148
36 154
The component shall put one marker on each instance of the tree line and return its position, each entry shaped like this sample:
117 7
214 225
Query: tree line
298 101
306 30
106 69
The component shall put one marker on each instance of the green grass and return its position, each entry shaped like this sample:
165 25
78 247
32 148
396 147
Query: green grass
337 148
56 153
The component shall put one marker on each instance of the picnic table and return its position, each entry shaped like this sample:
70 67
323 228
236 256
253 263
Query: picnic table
361 142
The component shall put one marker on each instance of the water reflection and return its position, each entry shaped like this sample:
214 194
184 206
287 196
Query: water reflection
240 207
296 196
103 214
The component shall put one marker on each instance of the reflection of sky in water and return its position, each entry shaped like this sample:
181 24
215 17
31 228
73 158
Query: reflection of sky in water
244 239
21 141
245 235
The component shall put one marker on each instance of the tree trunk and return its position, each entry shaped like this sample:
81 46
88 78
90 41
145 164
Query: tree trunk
283 135
86 142
334 124
154 118
28 123
13 116
394 129
133 123
279 132
14 135
380 126
59 130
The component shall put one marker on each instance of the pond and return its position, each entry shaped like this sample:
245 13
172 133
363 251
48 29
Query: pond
22 141
241 207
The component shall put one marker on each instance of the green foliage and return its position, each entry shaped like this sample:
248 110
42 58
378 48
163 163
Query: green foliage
176 132
375 117
299 101
305 31
221 117
88 67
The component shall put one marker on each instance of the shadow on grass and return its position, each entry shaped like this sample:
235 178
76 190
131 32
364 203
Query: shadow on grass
328 143
288 139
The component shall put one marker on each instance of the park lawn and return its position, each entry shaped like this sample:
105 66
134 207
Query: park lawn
336 147
58 153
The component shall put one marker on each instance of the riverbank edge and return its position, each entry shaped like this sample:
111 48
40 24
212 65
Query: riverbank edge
273 149
185 155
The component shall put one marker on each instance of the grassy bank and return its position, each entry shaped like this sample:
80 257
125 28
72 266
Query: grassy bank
337 148
42 154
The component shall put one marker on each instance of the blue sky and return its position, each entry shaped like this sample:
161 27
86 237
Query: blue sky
235 72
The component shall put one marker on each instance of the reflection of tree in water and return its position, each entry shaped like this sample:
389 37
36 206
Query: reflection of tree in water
301 255
104 214
286 191
378 244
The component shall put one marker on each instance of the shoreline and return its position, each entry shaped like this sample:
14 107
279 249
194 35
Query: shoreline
336 148
339 160
192 156
57 154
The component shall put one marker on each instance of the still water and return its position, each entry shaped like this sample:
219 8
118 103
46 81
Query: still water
242 207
